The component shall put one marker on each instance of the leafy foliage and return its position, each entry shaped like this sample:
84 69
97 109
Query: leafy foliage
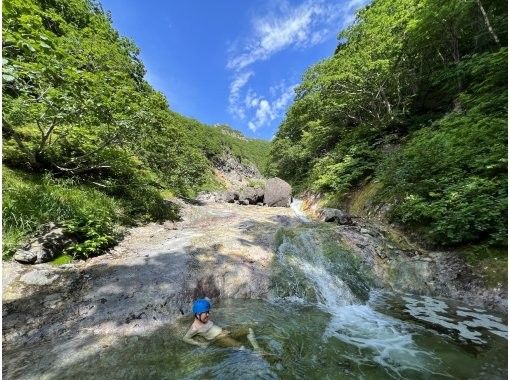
80 117
415 97
30 201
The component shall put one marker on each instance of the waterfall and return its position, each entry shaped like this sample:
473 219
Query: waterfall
296 207
377 338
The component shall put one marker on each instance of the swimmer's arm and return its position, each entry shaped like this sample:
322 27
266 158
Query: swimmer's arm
188 338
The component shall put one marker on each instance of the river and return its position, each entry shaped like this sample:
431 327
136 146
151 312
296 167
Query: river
324 318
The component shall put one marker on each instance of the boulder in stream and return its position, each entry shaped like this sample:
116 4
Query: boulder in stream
277 193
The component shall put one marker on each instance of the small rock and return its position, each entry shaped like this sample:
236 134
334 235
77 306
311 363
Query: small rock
249 194
45 247
25 257
336 216
230 196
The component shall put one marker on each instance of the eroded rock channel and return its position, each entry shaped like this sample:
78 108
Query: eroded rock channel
219 250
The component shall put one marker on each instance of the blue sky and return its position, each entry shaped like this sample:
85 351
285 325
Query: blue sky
231 62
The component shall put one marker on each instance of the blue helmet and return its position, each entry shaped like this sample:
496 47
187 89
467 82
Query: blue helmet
201 306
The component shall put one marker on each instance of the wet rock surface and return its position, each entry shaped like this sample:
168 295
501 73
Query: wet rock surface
412 269
217 250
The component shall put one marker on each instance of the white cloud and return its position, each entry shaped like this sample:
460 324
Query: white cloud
297 27
251 100
252 126
268 111
235 87
305 25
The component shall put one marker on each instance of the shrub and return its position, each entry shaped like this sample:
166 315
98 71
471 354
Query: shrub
32 200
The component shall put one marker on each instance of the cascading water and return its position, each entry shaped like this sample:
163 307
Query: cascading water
379 339
405 335
325 319
296 206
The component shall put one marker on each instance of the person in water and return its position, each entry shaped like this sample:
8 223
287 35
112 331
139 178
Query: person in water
204 327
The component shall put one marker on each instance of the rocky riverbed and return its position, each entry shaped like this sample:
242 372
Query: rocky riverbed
148 280
219 250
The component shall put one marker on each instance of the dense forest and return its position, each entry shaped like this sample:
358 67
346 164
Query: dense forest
87 142
413 106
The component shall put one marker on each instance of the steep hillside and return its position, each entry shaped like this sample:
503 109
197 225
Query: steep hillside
410 114
87 142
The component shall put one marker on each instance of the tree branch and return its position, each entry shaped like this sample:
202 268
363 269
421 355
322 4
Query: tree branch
487 22
80 170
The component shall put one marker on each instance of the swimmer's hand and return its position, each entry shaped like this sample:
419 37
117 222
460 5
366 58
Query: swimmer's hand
204 344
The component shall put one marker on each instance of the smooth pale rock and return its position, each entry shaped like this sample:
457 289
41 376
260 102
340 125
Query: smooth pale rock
39 277
277 193
25 257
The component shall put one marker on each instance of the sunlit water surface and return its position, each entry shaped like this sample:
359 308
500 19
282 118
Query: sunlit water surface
391 336
322 322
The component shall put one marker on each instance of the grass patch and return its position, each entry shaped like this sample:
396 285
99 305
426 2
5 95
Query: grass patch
494 271
30 201
61 260
364 197
211 183
491 262
256 183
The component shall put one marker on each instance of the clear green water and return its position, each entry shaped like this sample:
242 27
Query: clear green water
377 340
323 322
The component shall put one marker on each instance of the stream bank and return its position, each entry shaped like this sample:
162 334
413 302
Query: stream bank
224 251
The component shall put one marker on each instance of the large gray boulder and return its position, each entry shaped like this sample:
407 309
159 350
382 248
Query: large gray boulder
248 194
335 216
45 247
277 193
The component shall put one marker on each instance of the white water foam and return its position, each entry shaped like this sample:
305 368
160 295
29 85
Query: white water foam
378 338
296 207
